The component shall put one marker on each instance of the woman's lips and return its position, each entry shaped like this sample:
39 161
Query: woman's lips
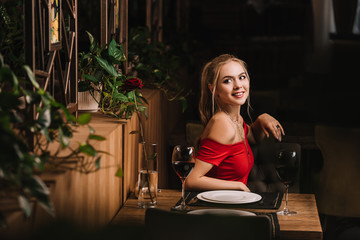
238 94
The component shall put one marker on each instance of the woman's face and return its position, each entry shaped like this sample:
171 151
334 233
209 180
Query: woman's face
233 85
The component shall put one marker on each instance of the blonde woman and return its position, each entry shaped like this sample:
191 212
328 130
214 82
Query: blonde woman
225 159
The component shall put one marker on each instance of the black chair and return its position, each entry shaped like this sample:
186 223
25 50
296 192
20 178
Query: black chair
161 225
263 176
336 184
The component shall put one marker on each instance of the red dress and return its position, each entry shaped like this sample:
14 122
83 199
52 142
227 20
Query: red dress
231 161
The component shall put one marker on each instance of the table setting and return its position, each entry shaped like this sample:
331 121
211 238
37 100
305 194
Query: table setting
228 202
302 222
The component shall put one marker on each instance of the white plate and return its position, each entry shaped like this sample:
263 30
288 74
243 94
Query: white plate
232 212
229 197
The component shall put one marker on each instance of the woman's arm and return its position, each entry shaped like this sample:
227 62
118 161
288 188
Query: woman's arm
198 181
263 126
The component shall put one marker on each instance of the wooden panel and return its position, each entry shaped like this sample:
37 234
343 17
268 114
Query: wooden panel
91 200
154 130
131 156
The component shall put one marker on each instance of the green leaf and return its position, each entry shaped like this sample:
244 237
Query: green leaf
46 134
92 42
91 129
6 74
84 118
120 97
31 76
87 149
118 83
45 118
107 67
1 61
119 173
97 162
184 103
96 137
68 115
84 86
64 140
25 205
134 132
123 57
142 108
38 190
91 78
142 98
131 95
116 54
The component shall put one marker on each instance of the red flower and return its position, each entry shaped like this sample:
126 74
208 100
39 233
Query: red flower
131 84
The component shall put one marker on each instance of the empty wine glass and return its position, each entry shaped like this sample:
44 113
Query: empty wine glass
183 162
287 165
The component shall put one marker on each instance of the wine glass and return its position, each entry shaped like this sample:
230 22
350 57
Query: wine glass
183 162
287 165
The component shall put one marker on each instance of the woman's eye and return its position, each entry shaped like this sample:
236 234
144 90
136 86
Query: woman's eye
242 77
227 80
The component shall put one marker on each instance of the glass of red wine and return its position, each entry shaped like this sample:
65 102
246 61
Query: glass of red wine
287 166
183 162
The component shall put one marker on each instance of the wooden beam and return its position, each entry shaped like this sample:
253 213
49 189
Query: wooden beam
104 22
123 31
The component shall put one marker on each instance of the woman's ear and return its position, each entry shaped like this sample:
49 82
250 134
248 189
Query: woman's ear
210 87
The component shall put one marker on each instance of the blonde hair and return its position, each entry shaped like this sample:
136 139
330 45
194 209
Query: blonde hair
210 75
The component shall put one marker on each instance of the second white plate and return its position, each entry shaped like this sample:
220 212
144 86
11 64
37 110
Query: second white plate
218 211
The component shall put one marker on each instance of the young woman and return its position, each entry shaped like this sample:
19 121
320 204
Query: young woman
225 159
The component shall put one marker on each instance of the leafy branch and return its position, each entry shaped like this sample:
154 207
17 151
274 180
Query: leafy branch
27 142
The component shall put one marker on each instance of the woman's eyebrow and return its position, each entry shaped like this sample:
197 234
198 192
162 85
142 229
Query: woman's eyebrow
243 73
227 77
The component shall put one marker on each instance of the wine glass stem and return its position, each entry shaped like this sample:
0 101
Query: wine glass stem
183 204
286 197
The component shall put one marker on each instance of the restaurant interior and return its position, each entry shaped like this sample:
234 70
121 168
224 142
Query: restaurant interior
303 60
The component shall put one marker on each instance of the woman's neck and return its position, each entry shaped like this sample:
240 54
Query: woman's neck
232 112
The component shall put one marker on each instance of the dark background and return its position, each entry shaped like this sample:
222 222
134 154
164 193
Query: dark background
277 43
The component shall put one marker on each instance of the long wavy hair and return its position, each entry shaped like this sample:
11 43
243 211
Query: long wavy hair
208 105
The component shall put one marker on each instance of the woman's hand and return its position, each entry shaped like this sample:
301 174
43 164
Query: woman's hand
266 125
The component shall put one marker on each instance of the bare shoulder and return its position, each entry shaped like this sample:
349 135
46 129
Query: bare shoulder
220 129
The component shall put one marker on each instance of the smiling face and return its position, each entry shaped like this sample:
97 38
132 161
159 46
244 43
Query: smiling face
232 85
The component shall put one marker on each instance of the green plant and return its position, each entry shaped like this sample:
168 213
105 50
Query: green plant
12 33
100 71
35 134
157 64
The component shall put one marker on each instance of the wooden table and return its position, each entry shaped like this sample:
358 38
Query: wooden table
304 225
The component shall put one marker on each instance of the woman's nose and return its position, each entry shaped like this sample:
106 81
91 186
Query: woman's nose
237 84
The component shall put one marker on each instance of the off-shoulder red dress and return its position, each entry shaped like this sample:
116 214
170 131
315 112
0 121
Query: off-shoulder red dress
231 161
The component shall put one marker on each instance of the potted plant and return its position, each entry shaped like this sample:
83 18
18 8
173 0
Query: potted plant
100 72
25 140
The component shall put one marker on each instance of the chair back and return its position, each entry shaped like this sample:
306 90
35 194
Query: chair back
193 133
161 225
336 184
263 176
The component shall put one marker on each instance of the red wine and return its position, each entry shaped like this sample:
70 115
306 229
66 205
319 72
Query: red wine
286 174
182 168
